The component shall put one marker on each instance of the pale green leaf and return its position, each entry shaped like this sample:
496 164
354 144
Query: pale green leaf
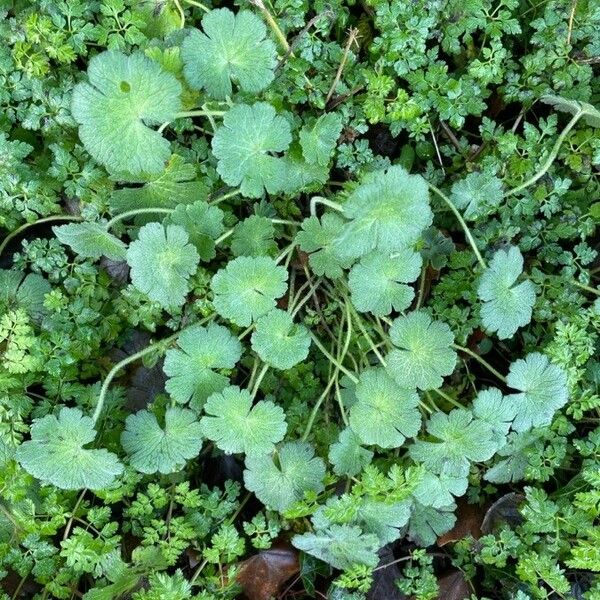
124 97
423 355
428 523
254 236
26 292
247 288
440 490
152 448
191 367
246 147
477 195
279 341
161 261
237 426
347 456
56 453
91 240
231 48
318 139
496 410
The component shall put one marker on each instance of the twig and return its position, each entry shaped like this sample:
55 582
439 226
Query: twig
352 37
571 19
272 24
345 97
450 134
437 150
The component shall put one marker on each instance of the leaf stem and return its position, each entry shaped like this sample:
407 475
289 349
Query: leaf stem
365 333
587 288
272 24
259 379
136 211
224 197
551 157
333 360
13 234
198 5
223 237
200 113
448 398
484 363
459 218
320 200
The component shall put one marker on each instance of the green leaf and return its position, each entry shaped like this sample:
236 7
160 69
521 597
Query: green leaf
26 292
279 341
423 353
384 520
56 454
153 449
497 411
384 414
254 237
301 175
506 304
341 546
246 147
440 490
427 523
477 195
318 139
591 113
278 486
125 95
191 366
389 211
378 282
91 240
203 224
462 440
320 239
161 262
514 457
237 426
543 388
174 186
246 289
347 456
232 48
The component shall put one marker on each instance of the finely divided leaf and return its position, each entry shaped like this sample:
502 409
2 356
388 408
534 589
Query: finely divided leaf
161 262
231 48
55 453
91 240
384 413
423 353
191 366
246 289
279 341
506 304
124 96
154 449
246 148
378 282
279 485
543 388
237 426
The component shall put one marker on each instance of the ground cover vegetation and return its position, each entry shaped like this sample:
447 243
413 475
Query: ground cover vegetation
299 299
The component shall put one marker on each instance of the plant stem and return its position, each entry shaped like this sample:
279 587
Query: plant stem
587 288
421 288
481 361
223 237
259 379
352 35
551 157
448 398
320 200
13 234
224 197
461 221
365 333
272 24
136 211
316 407
333 360
198 5
200 113
284 222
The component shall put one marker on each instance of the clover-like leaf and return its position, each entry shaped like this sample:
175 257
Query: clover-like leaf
384 413
246 147
497 410
161 261
203 224
56 453
318 139
237 426
441 489
423 353
91 240
253 237
427 523
320 239
124 96
279 341
191 366
246 289
378 282
507 305
477 195
175 185
543 388
388 212
279 485
347 455
463 440
341 546
233 47
153 449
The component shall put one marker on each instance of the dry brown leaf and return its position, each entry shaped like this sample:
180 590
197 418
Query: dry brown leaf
468 523
453 586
